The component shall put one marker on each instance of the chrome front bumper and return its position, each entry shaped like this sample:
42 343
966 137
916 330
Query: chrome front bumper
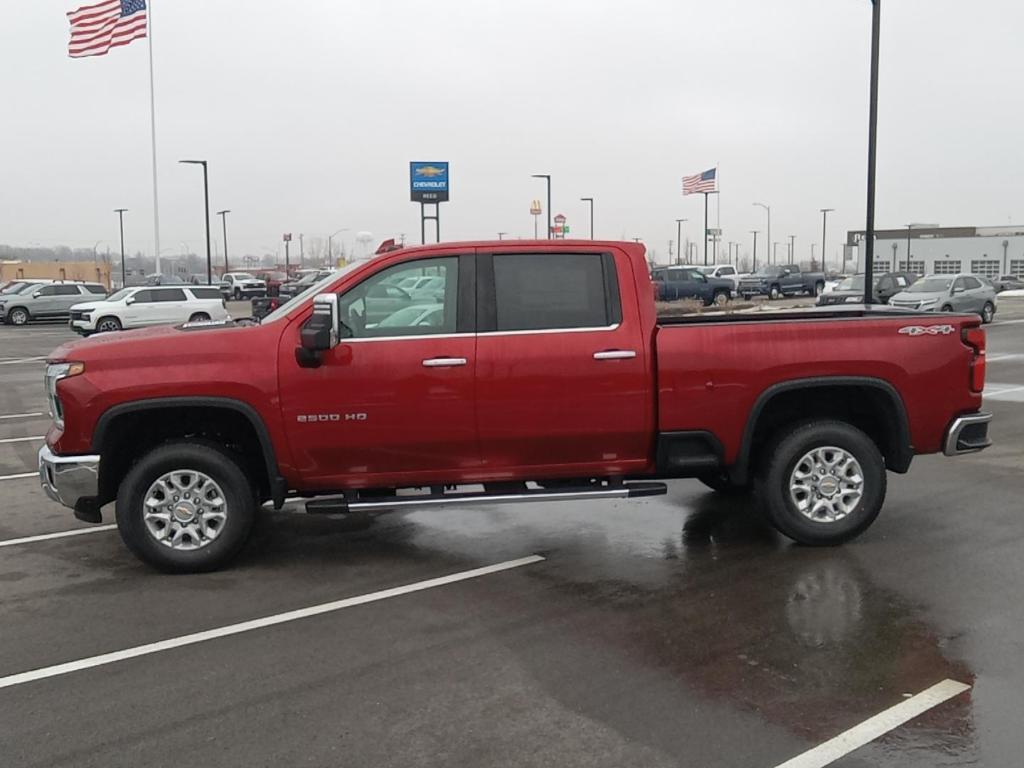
68 479
967 434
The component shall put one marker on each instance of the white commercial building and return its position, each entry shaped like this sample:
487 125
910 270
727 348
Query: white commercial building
987 251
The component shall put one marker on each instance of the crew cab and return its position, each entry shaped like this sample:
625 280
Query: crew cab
675 283
241 285
542 374
139 307
776 281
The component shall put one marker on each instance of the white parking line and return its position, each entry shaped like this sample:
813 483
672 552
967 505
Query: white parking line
22 476
21 416
22 439
267 621
23 360
879 725
60 535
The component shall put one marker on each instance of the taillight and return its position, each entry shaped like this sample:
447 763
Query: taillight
975 339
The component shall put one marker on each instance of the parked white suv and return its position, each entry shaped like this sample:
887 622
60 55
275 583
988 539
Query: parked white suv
242 285
723 272
149 305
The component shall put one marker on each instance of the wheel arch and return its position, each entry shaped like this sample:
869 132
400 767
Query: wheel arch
885 420
151 410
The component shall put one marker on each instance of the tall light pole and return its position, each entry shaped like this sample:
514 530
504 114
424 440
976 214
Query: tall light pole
679 241
769 211
591 201
869 229
206 199
775 252
501 235
224 221
330 255
754 232
792 249
120 216
824 217
547 178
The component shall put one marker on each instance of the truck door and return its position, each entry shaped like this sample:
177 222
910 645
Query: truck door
563 381
394 401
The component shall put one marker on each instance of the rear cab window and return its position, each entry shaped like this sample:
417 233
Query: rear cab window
549 291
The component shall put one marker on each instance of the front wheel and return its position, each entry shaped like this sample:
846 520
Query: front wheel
238 295
186 507
720 299
18 316
947 308
822 483
819 288
775 293
108 324
988 313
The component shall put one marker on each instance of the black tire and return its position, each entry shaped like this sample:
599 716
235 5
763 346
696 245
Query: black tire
719 483
947 308
238 295
112 324
720 299
774 293
819 288
18 316
988 313
219 466
780 457
199 317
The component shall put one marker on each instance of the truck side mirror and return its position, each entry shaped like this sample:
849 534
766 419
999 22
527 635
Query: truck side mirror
320 333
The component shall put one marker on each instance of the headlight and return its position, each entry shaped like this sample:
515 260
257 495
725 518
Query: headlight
54 373
929 303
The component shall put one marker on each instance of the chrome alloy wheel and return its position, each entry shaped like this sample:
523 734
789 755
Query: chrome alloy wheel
185 510
826 484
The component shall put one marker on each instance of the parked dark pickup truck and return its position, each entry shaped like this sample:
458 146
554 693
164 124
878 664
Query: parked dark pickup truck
778 281
541 372
675 283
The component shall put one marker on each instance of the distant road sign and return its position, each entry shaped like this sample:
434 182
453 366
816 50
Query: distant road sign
715 232
288 238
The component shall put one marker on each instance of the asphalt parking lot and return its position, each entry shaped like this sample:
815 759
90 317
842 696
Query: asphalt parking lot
676 630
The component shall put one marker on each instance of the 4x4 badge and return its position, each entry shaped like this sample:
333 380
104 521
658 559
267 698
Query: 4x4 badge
927 330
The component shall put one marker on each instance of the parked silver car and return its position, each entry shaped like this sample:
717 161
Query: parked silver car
46 302
949 293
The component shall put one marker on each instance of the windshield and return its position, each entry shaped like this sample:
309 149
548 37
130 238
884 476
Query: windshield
931 285
14 288
119 295
852 284
706 270
312 290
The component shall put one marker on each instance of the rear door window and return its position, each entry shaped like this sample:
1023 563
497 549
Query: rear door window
554 290
206 293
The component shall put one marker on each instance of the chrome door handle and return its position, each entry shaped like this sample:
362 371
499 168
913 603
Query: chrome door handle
443 362
615 354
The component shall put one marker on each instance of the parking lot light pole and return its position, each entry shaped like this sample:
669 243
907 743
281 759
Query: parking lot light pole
754 232
591 201
679 241
224 220
547 179
330 255
206 199
501 235
768 209
792 249
120 215
824 216
869 229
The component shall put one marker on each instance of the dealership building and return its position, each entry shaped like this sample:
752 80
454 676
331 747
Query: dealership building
987 251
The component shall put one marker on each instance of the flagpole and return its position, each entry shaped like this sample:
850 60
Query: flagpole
152 123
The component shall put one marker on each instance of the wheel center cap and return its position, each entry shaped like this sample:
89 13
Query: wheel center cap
184 512
828 486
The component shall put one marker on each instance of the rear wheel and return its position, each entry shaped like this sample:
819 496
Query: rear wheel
108 324
186 507
18 316
822 483
774 292
199 317
988 313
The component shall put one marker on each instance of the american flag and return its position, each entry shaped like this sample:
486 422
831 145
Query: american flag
95 29
699 182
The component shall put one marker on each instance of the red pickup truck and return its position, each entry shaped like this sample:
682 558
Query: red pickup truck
498 371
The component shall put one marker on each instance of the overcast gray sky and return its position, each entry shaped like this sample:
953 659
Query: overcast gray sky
309 113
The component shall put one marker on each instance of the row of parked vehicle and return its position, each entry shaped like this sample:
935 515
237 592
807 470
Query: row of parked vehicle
931 293
717 283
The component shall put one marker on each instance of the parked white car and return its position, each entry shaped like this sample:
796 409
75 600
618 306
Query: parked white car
242 285
149 305
723 272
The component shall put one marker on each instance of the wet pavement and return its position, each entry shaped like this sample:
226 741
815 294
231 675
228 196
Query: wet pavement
678 630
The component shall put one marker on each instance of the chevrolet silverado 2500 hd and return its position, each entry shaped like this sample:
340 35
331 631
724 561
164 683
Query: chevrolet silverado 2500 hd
531 371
